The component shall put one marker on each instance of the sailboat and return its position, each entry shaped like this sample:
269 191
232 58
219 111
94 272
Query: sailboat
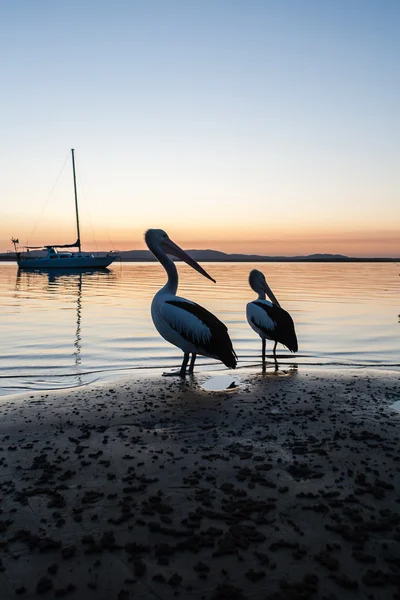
54 259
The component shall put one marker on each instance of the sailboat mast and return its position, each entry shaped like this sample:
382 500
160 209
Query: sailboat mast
76 201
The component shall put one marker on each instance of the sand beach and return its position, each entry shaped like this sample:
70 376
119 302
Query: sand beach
285 487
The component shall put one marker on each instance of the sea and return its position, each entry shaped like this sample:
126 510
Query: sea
62 330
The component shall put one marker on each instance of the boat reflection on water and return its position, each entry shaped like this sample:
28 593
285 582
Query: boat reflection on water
65 285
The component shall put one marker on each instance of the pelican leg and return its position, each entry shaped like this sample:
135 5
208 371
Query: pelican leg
274 351
182 372
192 361
263 353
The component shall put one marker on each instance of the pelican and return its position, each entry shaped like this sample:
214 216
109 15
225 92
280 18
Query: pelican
181 322
268 319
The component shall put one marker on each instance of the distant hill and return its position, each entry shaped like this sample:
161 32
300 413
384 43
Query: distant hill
216 256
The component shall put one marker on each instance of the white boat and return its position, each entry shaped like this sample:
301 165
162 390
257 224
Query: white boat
53 259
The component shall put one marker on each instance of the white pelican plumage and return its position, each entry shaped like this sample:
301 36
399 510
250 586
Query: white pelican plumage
181 322
269 319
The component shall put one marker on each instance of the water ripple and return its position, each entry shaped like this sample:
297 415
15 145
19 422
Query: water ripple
76 327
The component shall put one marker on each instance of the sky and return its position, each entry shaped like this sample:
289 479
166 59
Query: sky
267 127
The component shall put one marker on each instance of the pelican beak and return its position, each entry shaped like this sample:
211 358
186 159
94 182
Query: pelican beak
172 248
265 287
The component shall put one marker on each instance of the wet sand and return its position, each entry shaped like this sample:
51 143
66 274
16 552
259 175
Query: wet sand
286 487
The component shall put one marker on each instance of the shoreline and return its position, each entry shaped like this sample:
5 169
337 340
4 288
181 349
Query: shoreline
284 487
212 369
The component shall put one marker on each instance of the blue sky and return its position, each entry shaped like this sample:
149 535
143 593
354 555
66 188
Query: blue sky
272 126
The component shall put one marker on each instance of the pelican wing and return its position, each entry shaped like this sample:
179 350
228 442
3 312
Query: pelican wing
200 327
182 318
277 324
258 315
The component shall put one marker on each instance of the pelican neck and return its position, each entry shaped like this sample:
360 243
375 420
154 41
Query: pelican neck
261 294
172 284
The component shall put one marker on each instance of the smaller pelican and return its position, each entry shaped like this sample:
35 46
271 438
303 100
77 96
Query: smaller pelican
181 322
268 319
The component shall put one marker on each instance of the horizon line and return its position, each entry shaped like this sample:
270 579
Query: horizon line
10 256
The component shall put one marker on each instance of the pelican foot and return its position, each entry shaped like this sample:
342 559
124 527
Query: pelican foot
173 374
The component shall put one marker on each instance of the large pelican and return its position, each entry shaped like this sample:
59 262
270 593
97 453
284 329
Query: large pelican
181 322
268 319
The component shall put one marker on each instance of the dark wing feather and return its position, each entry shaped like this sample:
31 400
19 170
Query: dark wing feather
284 332
220 344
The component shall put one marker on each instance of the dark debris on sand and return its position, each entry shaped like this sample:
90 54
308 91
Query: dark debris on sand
285 488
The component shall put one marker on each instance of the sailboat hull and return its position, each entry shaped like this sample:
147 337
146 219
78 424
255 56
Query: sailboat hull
60 262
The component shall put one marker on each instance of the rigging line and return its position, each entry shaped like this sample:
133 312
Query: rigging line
83 179
82 190
113 247
48 199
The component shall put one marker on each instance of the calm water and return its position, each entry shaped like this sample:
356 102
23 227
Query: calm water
67 329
